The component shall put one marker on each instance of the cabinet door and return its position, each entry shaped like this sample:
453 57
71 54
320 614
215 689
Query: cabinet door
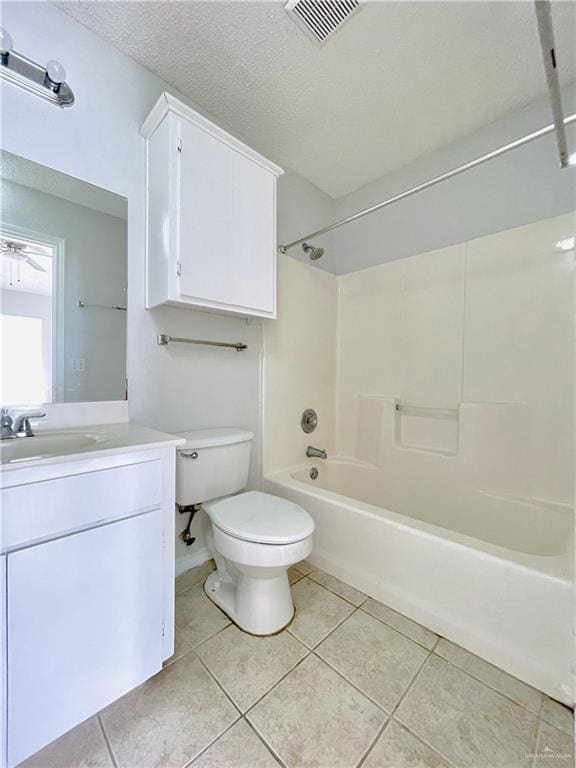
227 212
254 229
84 627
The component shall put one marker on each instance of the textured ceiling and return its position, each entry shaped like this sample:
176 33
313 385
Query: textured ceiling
398 81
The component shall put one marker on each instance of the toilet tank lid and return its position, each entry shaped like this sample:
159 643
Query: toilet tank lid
211 438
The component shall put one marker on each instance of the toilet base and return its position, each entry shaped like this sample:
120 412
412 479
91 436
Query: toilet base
258 600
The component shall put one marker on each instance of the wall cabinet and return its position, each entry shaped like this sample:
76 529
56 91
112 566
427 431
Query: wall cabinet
211 216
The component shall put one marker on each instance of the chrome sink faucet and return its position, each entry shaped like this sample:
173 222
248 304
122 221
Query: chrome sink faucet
316 453
17 423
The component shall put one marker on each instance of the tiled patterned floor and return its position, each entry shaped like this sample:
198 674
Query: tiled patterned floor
349 683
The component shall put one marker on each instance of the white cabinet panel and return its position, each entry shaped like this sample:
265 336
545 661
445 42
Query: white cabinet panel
226 224
84 626
206 211
211 213
67 504
254 233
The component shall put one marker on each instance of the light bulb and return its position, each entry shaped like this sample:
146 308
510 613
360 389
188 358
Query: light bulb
55 72
6 43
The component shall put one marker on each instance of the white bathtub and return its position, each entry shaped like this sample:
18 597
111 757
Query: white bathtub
493 574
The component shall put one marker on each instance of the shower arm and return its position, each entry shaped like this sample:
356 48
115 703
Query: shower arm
436 180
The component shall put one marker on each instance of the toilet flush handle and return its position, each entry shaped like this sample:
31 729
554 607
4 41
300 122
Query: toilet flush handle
193 455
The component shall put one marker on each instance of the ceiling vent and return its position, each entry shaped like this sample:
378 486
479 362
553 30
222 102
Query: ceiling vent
320 19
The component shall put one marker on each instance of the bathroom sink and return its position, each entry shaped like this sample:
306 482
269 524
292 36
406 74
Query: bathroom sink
47 444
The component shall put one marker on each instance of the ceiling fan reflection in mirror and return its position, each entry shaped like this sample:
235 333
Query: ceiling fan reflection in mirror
18 254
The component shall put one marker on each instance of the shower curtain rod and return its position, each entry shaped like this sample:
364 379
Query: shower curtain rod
432 182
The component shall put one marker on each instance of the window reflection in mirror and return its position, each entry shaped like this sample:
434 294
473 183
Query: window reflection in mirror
63 283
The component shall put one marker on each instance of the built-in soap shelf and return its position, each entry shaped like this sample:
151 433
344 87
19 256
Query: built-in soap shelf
427 428
432 413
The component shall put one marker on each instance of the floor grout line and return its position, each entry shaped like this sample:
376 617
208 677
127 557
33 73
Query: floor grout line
259 699
107 741
274 754
300 577
422 740
401 699
211 637
313 648
410 684
319 570
436 641
295 567
491 687
465 671
536 742
187 589
356 687
173 659
218 683
373 743
277 683
541 707
411 729
211 744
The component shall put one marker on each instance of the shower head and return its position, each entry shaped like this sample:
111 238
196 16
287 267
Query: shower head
314 253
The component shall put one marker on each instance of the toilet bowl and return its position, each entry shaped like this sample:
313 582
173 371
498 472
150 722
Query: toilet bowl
254 537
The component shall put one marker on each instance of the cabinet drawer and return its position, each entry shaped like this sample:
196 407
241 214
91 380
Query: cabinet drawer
55 507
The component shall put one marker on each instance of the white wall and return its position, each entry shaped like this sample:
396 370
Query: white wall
302 208
94 271
523 186
97 140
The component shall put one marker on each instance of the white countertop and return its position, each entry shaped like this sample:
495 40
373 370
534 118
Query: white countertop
58 445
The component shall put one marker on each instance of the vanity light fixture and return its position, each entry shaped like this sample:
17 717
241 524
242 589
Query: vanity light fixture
48 82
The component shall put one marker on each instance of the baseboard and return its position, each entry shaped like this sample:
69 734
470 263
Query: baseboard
191 561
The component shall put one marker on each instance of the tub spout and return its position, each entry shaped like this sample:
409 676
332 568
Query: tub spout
316 453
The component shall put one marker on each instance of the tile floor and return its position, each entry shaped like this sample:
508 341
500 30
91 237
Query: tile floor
349 683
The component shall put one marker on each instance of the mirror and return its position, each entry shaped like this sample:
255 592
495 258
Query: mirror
63 283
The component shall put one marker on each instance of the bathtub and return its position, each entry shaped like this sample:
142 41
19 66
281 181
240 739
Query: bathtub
491 573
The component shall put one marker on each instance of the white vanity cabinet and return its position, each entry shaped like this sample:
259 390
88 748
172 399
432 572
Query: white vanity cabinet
211 216
87 574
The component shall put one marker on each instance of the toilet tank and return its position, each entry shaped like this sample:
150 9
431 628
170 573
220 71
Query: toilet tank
212 463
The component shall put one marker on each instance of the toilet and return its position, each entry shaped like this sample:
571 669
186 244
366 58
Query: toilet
254 537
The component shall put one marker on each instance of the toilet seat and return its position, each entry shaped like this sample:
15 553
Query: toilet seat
261 518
